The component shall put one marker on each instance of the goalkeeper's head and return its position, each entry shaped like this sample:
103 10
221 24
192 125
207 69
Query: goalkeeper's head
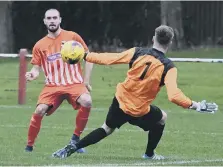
163 37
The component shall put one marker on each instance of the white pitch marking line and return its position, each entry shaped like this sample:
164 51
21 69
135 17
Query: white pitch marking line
179 162
159 163
147 163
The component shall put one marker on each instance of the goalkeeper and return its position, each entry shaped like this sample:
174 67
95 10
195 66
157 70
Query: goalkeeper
149 70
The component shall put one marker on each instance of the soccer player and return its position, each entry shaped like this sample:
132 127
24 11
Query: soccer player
63 81
149 70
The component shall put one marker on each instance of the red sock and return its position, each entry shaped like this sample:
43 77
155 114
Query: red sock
81 120
34 128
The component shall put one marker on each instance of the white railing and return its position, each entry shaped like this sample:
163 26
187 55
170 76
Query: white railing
173 59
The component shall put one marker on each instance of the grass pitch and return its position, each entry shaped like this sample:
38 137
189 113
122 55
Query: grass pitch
190 138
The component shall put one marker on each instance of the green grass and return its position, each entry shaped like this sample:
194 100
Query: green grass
189 136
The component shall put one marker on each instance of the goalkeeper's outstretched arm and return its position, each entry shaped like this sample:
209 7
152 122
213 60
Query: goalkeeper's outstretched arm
176 96
110 58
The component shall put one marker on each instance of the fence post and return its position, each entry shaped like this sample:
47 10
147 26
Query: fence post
22 80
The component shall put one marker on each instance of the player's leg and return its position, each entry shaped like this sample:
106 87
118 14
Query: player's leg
35 124
47 104
79 98
154 122
115 119
154 136
92 138
83 113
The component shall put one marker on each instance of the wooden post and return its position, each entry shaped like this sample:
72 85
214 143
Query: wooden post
22 80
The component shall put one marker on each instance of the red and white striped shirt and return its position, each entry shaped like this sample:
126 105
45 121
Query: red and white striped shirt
46 53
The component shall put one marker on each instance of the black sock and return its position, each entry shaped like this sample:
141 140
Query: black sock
92 138
154 137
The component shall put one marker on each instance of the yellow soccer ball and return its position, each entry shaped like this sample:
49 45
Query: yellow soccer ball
72 52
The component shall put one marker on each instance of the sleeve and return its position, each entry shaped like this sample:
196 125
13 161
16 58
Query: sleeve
78 38
110 58
175 95
36 58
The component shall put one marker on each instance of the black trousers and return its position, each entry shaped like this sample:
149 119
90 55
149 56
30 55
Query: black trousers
116 117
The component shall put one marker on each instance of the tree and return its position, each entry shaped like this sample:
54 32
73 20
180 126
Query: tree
6 35
171 15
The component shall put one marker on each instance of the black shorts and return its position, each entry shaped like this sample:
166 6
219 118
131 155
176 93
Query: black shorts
116 117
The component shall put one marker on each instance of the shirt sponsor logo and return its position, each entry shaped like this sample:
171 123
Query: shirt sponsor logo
53 57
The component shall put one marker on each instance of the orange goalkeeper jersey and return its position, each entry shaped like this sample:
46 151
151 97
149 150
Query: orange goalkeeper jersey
149 70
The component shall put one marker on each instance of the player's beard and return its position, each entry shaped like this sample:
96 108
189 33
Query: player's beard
53 29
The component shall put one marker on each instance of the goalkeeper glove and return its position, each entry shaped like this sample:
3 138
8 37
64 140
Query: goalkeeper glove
204 107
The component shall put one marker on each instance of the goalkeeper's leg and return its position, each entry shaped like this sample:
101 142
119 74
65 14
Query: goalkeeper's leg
94 137
154 135
154 122
115 119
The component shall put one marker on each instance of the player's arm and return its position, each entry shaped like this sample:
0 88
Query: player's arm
87 65
110 58
36 62
33 74
176 96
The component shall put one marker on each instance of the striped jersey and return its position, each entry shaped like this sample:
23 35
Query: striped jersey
46 53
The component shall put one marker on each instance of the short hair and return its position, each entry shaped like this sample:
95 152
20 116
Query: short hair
50 10
164 34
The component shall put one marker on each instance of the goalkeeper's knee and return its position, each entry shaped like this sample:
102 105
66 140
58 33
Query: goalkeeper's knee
107 129
164 118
